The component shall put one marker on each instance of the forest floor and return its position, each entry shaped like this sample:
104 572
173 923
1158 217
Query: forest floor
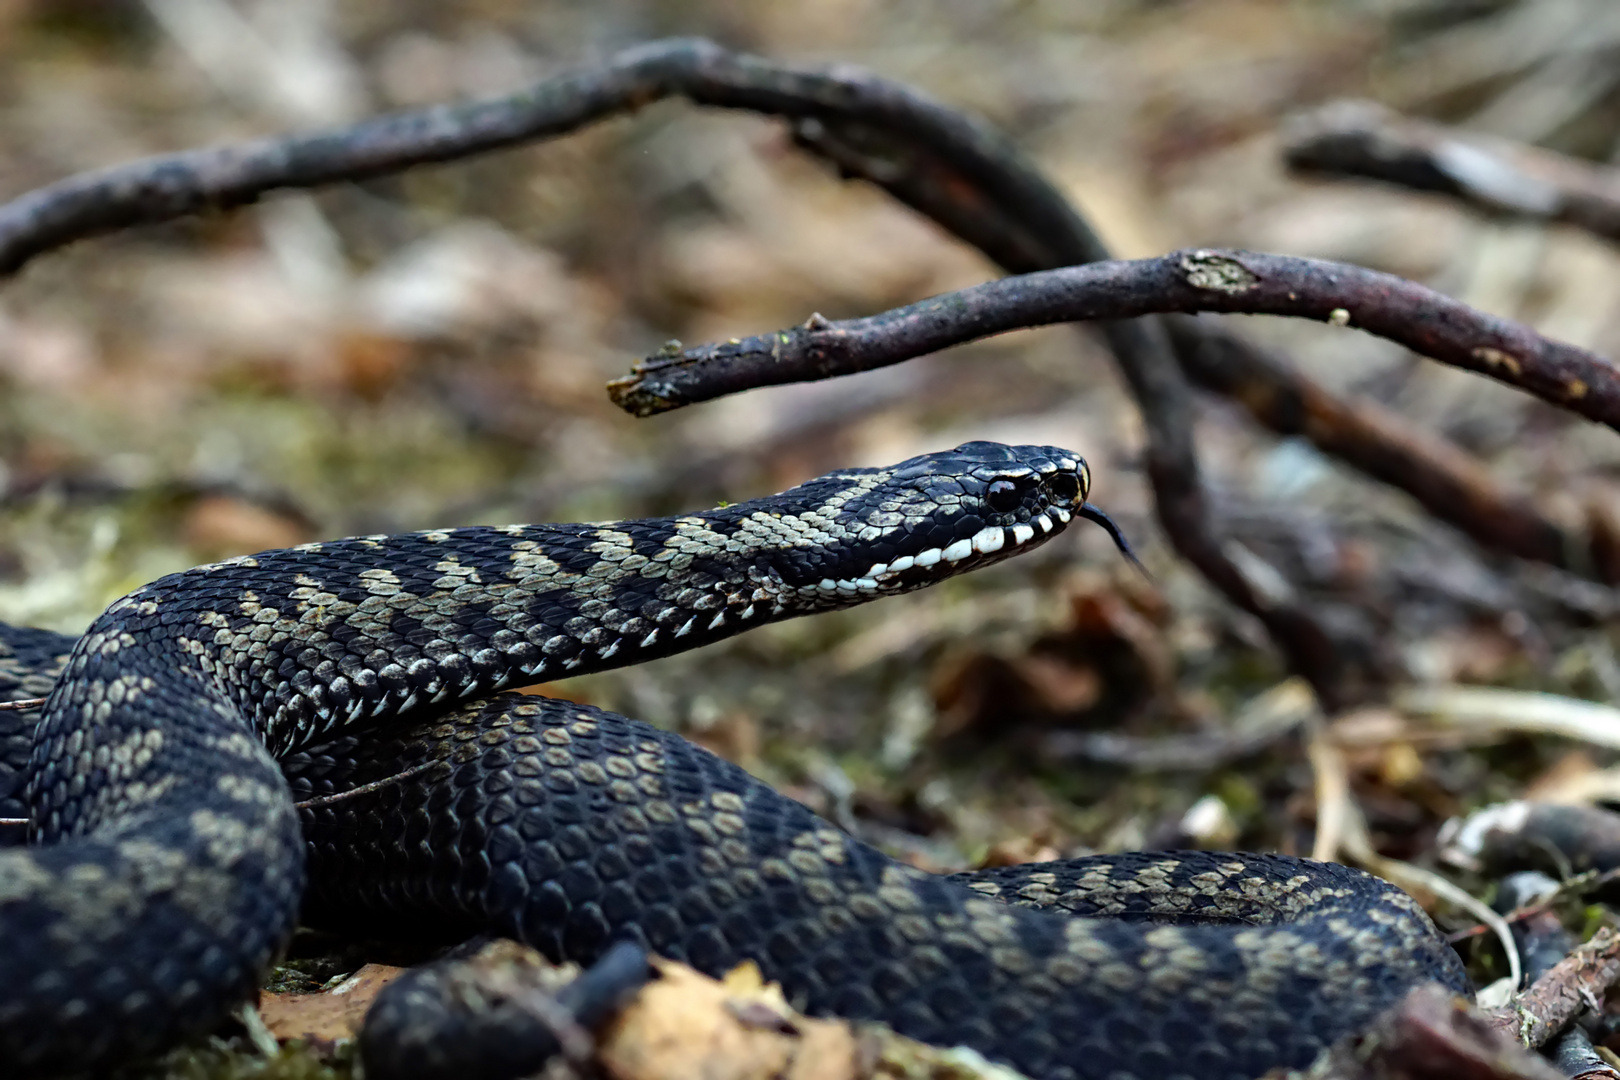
430 349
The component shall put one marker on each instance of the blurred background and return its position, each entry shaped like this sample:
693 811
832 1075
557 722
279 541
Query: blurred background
429 349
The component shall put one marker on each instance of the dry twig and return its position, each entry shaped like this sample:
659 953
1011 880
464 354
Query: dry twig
1447 481
1359 138
1232 281
1563 993
1430 1035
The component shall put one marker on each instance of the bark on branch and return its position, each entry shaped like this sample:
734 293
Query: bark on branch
1430 1035
1569 988
1358 138
1184 281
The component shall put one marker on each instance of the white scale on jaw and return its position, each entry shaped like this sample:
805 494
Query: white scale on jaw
986 541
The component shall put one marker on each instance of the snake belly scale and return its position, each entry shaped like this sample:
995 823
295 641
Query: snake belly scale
166 860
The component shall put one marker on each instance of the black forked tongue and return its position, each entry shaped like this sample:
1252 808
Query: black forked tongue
1109 526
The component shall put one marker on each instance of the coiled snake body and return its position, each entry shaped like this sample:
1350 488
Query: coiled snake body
167 862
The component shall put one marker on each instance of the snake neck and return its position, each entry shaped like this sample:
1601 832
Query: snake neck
308 640
305 641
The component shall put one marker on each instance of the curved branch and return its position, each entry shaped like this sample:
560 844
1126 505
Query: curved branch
1185 281
1450 483
1359 138
170 186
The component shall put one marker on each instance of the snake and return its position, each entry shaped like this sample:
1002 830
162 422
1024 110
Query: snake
167 862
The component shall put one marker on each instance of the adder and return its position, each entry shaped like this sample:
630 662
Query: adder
166 861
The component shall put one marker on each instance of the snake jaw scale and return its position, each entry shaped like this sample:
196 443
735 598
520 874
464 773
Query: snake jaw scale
988 540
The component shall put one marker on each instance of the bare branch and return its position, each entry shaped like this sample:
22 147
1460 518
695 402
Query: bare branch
1447 481
1359 138
1186 281
1563 993
175 185
1430 1035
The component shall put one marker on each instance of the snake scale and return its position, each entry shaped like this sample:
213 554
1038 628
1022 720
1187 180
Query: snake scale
166 860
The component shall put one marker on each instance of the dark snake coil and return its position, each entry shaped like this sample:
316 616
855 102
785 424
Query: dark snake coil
167 861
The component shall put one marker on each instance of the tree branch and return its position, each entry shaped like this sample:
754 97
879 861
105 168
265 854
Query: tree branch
174 185
1447 481
1567 989
1185 281
1025 234
1430 1034
1359 138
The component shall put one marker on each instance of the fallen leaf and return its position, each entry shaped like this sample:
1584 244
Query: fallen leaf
330 1016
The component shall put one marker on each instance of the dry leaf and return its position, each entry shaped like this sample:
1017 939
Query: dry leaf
330 1016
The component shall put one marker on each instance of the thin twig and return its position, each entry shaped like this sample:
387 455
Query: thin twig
1577 885
1359 138
22 704
1492 708
321 801
1252 283
1429 1035
258 1032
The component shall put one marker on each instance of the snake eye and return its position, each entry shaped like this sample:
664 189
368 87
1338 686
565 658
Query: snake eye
1066 486
1003 496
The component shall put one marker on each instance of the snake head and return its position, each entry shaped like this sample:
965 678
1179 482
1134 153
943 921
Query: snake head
863 532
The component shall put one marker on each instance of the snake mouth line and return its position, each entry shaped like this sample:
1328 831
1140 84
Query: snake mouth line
991 540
